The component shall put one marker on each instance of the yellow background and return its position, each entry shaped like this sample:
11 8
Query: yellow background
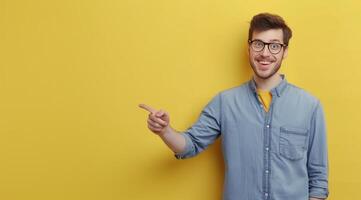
72 73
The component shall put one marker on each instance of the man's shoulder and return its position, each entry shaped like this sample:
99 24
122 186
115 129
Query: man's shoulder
302 94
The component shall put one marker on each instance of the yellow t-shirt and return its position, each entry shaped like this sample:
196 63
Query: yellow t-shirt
265 97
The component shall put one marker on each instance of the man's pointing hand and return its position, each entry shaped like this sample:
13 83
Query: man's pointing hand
158 120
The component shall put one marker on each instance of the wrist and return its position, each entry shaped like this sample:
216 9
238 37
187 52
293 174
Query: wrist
165 132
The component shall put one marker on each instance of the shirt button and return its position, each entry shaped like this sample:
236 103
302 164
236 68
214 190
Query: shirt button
267 126
267 149
267 171
266 194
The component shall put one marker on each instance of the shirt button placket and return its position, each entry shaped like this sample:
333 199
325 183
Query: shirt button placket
268 132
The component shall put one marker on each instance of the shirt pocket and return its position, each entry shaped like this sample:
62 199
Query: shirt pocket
292 142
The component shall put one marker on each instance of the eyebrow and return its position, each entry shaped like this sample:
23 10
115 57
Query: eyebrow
275 40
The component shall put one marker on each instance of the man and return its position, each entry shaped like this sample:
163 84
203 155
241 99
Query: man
273 133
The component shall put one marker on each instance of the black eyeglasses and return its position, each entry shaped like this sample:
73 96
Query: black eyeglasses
273 47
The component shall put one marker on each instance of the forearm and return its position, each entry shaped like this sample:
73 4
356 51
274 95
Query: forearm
173 140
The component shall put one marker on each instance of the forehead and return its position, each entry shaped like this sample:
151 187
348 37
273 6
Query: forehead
269 35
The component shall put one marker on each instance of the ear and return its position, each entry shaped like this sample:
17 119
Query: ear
285 53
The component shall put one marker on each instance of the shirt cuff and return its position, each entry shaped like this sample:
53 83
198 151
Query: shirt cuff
188 148
318 192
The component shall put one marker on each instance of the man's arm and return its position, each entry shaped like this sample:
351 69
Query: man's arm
204 131
173 140
317 163
194 140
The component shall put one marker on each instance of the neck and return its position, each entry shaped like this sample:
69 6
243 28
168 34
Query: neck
269 83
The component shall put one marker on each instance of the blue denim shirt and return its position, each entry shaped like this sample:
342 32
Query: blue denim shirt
275 155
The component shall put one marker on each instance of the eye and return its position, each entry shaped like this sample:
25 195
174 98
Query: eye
275 46
257 45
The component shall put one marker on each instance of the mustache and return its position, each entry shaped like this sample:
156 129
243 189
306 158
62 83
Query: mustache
265 58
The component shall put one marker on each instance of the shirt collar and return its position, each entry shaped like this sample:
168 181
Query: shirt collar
278 90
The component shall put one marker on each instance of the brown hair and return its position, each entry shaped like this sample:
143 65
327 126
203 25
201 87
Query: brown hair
267 21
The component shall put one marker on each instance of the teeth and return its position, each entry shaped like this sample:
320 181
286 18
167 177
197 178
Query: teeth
264 62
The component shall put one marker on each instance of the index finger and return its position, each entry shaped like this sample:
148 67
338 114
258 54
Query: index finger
147 108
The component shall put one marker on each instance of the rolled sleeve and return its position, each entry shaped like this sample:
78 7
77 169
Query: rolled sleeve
188 149
321 193
204 131
317 163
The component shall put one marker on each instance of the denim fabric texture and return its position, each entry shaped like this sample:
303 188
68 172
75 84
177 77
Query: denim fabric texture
275 155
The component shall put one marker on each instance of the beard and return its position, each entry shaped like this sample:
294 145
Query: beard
274 70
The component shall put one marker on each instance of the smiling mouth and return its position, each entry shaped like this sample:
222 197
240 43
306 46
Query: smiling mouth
264 62
264 65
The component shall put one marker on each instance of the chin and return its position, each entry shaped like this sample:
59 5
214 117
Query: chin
265 74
